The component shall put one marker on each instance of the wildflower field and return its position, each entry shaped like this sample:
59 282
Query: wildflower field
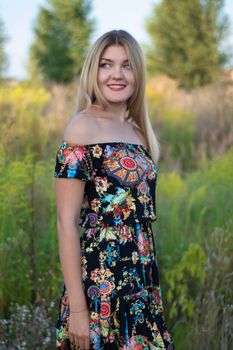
193 232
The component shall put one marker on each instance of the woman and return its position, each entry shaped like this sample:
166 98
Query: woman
111 297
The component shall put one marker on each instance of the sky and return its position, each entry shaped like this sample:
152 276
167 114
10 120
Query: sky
19 16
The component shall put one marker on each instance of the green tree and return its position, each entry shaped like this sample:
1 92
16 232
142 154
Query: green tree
3 57
186 40
62 33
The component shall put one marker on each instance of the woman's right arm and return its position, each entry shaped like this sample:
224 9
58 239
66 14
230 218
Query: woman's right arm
69 196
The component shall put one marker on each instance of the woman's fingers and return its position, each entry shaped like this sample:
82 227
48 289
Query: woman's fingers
77 342
71 338
74 340
87 343
82 343
79 330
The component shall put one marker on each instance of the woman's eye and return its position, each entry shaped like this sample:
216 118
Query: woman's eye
104 65
107 65
127 66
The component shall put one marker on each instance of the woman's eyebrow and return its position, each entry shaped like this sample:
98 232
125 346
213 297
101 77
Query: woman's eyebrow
109 60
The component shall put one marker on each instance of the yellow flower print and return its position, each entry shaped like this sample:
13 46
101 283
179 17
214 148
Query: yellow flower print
97 151
101 184
95 204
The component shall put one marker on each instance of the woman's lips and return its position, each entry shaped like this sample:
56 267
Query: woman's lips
117 87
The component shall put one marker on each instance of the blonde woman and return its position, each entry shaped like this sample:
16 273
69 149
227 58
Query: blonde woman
106 174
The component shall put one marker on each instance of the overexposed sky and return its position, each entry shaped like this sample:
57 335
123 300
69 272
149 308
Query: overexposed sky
19 15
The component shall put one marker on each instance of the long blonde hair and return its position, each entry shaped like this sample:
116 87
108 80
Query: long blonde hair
89 92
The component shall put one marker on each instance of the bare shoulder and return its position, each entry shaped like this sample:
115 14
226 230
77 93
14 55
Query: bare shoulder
80 129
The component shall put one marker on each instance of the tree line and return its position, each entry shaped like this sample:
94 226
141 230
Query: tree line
186 41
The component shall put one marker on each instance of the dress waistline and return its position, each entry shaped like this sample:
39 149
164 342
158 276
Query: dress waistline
120 226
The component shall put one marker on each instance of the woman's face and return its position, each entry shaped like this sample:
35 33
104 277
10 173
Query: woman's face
115 78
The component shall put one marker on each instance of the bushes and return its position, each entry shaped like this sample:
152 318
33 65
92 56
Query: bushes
29 254
195 239
27 329
200 296
184 281
191 126
178 129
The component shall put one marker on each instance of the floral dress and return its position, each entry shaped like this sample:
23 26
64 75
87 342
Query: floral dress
118 254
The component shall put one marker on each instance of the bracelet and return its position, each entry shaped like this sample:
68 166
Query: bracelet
79 310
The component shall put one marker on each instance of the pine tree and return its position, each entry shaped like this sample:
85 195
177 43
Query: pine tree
186 38
62 33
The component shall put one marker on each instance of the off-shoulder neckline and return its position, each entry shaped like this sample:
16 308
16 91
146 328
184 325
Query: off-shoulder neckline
106 143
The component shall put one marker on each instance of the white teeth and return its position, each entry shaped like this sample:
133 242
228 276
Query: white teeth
117 86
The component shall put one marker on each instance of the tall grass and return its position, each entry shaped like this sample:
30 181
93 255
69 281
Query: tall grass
193 233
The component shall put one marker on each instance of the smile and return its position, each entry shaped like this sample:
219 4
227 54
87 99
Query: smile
116 87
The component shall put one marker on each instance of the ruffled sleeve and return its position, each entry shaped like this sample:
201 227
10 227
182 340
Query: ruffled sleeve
73 161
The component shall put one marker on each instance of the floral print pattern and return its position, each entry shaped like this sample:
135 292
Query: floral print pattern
118 254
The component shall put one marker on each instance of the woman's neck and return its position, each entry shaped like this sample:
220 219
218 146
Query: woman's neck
111 112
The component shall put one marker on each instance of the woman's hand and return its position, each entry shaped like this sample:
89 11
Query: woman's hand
79 329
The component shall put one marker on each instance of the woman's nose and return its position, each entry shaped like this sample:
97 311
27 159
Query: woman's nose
117 72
